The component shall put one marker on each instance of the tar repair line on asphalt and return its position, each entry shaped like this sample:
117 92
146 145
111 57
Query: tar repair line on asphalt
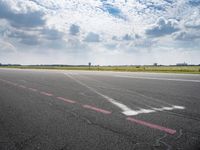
131 119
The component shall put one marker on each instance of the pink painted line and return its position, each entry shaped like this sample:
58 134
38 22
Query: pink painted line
47 94
150 125
66 100
97 109
22 86
32 89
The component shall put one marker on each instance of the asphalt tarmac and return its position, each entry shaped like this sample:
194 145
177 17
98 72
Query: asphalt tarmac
85 110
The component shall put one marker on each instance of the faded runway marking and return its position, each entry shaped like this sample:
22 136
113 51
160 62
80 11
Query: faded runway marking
125 109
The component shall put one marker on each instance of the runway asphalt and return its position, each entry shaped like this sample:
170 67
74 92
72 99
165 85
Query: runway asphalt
85 110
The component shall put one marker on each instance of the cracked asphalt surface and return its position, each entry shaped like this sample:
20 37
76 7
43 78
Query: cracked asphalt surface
32 117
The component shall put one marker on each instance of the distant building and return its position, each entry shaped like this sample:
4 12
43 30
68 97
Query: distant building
182 64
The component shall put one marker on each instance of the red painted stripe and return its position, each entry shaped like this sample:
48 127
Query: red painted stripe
150 125
97 109
66 100
47 94
32 89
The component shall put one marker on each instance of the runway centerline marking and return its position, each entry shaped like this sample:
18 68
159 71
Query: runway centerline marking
125 109
163 79
97 109
151 125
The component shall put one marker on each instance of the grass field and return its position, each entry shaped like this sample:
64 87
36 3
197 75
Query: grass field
164 69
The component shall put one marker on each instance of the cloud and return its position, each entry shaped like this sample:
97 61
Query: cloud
6 47
113 10
156 7
92 37
24 37
78 28
34 37
194 2
129 37
193 21
74 29
51 34
186 36
21 19
195 24
163 27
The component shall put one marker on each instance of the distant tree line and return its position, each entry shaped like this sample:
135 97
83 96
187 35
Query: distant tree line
9 64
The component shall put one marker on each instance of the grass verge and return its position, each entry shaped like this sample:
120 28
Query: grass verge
160 69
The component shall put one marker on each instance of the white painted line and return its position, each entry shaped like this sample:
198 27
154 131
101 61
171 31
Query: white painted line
145 111
178 107
162 79
125 109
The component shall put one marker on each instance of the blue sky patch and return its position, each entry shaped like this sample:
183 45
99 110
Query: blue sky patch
113 10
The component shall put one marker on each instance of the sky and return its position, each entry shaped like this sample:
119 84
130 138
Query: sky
103 32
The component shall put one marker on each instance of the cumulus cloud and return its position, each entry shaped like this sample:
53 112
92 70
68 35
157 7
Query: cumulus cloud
193 21
78 28
23 37
6 47
21 18
186 36
113 10
129 37
194 2
74 29
92 37
51 34
163 27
